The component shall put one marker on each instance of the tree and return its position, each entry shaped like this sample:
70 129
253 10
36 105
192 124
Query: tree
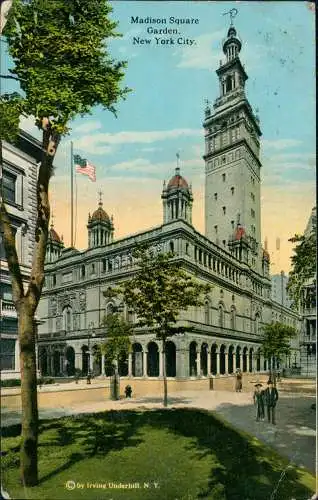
275 343
117 344
158 292
303 264
60 58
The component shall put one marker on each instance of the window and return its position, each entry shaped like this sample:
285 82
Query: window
9 186
110 309
224 210
187 249
93 268
232 224
233 318
224 242
171 246
223 175
2 251
104 265
6 292
207 312
215 196
221 316
223 161
216 229
54 279
67 317
252 213
253 196
83 271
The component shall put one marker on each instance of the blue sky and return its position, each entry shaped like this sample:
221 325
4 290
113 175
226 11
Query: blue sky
163 114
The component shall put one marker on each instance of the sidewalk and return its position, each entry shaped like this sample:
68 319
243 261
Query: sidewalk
293 436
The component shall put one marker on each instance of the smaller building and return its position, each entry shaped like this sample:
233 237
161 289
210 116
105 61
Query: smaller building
19 180
279 291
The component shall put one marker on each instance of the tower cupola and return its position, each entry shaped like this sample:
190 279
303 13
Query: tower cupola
100 227
177 198
232 44
54 245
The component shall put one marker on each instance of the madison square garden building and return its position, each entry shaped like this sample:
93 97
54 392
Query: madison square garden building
225 331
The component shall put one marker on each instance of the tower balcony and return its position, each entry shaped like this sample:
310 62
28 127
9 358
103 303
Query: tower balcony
235 94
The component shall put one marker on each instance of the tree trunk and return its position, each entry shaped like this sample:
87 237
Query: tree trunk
165 383
29 431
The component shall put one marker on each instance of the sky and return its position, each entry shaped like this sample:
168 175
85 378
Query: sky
163 114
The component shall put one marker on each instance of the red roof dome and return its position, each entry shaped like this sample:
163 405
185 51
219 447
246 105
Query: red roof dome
100 215
177 181
239 232
54 236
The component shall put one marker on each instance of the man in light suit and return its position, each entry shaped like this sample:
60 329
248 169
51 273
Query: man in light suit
271 398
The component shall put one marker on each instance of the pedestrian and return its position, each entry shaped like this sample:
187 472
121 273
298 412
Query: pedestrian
238 382
258 399
89 377
271 398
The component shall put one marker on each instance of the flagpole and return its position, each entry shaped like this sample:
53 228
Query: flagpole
72 203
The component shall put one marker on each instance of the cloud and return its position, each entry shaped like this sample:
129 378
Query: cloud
204 55
28 125
279 144
87 126
101 143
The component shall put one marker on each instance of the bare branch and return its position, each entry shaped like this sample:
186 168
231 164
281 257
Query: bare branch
10 77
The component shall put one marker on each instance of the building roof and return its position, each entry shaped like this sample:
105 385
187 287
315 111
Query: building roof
100 215
177 181
54 236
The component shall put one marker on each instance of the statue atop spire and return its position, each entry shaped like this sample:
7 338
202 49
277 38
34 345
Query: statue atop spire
232 13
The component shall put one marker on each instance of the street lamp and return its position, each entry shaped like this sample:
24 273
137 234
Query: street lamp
91 333
309 353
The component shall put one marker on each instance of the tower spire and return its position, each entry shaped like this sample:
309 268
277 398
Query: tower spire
100 203
178 163
52 220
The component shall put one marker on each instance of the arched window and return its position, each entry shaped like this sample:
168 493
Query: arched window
256 324
110 309
171 246
233 318
221 316
228 83
83 271
207 312
67 318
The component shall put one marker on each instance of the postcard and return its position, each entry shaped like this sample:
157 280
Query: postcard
193 143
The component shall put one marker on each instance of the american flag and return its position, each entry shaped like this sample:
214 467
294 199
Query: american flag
83 167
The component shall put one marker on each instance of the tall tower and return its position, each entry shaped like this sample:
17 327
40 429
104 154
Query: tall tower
232 164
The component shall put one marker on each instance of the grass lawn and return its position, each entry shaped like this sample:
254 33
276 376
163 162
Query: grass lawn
178 454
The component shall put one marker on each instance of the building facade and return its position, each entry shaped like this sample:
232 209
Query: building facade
19 180
225 331
308 311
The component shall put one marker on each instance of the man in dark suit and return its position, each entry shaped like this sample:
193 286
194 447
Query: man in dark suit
271 398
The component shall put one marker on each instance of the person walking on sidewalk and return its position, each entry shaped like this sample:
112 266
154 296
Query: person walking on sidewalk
271 398
238 381
258 399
